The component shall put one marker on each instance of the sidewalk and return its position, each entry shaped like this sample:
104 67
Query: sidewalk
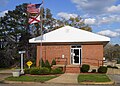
5 73
67 78
116 78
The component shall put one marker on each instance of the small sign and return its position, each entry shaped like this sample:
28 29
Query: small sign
21 52
29 63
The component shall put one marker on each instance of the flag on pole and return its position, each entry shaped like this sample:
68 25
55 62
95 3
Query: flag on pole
34 19
34 13
33 8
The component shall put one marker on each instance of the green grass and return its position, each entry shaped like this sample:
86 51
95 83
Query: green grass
30 78
93 78
4 68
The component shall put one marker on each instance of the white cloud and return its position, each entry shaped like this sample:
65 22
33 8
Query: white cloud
109 33
93 6
117 30
102 11
3 13
90 21
66 15
114 9
109 19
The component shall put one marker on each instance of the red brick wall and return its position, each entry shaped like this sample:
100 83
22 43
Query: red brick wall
50 52
91 54
38 56
72 70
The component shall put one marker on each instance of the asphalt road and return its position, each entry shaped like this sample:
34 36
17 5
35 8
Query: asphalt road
39 84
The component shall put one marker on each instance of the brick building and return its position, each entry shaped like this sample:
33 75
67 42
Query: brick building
71 47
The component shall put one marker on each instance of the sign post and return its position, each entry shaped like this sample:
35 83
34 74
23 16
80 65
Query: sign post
29 63
21 66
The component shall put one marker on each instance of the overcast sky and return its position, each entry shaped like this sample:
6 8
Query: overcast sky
102 15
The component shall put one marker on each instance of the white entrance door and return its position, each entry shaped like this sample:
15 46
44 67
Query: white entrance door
76 56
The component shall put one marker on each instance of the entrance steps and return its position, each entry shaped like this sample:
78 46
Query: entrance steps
72 69
68 68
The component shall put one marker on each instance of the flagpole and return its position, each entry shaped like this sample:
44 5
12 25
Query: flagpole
41 25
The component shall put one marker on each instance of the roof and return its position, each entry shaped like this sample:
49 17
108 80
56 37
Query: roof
69 34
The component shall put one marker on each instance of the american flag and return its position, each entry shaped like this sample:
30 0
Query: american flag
33 8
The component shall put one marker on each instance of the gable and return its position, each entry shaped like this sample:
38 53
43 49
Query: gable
69 34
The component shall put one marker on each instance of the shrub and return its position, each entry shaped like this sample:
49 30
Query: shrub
56 71
47 64
115 67
53 62
85 68
27 71
44 70
35 71
42 63
109 66
102 69
93 71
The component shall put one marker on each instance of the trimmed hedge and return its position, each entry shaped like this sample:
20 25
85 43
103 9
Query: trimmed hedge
44 70
56 71
27 71
115 67
109 66
39 71
93 71
102 69
35 71
85 68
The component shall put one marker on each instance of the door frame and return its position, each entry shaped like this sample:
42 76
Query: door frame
80 54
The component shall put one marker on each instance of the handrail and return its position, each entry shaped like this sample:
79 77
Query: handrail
93 61
61 60
64 60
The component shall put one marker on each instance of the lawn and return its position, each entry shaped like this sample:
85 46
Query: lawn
93 78
25 78
4 68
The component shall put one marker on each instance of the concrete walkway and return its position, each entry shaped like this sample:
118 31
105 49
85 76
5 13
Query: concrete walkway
6 71
3 76
67 78
116 78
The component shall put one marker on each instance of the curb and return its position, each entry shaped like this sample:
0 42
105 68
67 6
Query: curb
22 82
98 83
84 83
62 83
19 82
